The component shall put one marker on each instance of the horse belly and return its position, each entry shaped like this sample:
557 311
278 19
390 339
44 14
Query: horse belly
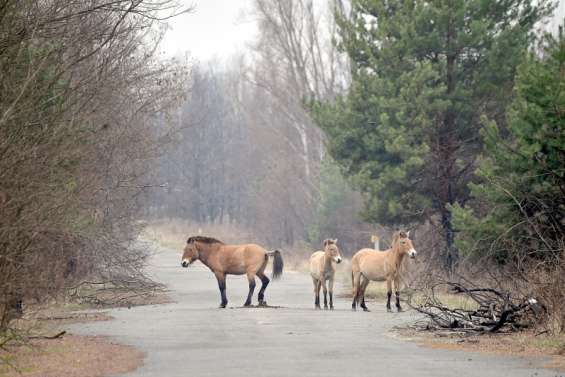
315 265
374 273
235 263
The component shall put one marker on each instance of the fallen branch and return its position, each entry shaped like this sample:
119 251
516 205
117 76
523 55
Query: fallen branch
56 336
493 310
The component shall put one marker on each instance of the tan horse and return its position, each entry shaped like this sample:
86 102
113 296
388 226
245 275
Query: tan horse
322 269
222 259
370 265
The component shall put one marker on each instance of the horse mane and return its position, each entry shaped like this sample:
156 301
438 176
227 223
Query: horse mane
203 239
397 236
329 241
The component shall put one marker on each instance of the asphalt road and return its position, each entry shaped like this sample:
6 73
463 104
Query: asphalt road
192 337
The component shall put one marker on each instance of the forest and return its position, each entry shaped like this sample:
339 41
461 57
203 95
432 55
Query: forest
342 119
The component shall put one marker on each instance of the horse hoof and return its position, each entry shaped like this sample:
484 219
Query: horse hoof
325 308
222 306
389 310
399 309
331 308
366 310
247 304
263 303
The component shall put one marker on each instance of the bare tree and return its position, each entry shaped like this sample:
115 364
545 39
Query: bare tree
249 153
80 92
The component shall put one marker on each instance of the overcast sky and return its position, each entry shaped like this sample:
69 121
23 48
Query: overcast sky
558 16
216 28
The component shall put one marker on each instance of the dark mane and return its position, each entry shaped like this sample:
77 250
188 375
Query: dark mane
203 239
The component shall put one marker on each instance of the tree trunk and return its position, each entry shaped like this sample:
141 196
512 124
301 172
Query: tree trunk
447 152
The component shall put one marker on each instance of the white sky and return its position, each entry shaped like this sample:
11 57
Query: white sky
215 29
219 28
558 16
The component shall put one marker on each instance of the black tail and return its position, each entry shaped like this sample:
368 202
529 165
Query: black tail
278 264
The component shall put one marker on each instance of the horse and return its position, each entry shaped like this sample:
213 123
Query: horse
322 268
369 265
222 260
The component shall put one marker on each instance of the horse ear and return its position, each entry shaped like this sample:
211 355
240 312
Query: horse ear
335 241
326 242
408 234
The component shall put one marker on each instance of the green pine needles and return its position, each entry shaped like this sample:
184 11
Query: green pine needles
519 204
423 74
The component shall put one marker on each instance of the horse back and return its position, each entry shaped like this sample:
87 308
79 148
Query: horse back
373 264
241 259
358 257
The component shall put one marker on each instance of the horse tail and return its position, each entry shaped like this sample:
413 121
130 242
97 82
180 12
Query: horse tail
278 263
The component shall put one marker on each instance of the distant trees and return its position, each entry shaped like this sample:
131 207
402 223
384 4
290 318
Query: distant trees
249 152
238 160
79 93
423 73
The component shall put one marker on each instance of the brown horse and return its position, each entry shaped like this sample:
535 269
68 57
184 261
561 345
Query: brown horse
370 265
322 268
222 259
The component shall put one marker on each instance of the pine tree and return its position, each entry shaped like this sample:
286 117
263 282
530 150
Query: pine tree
423 72
520 202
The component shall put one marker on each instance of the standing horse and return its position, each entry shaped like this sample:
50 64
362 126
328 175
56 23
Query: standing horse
222 259
322 268
369 265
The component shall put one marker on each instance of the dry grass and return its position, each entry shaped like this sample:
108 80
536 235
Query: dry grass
173 233
522 344
70 356
377 291
25 355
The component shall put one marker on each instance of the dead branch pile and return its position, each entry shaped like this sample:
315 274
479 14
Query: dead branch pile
480 309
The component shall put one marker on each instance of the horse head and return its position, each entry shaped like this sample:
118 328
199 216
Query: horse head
190 254
404 243
331 250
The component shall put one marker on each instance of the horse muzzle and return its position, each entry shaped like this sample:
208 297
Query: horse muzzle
412 253
185 263
337 260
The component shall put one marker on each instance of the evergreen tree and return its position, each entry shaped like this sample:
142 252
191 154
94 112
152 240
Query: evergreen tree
520 203
422 74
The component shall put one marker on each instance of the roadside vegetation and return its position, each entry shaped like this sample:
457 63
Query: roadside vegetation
81 95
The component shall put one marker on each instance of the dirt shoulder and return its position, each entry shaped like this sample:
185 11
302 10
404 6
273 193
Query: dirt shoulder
549 351
69 355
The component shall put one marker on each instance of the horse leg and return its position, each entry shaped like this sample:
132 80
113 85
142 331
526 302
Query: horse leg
325 293
388 293
316 297
264 282
364 283
317 293
355 282
251 279
222 285
331 289
397 293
